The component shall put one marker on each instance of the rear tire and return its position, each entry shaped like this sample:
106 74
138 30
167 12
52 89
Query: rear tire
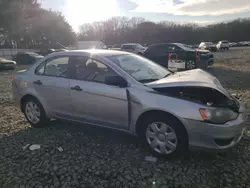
34 113
164 136
190 65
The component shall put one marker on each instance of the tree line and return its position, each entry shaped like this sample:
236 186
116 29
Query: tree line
118 30
25 24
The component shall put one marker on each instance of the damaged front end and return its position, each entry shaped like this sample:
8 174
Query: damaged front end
203 95
217 107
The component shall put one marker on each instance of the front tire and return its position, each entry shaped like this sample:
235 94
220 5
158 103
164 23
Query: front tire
164 136
34 113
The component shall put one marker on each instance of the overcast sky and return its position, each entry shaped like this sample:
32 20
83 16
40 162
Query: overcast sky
199 11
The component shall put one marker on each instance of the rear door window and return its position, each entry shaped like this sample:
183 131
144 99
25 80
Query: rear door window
55 67
157 50
127 47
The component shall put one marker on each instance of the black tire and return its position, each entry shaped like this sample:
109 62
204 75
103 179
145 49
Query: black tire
187 66
43 121
181 134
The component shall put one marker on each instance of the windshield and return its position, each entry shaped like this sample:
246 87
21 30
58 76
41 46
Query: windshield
32 54
183 46
139 68
209 43
139 46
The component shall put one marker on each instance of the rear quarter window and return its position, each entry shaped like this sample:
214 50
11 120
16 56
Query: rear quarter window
127 47
156 50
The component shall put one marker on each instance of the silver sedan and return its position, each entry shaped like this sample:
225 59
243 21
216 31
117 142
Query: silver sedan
171 112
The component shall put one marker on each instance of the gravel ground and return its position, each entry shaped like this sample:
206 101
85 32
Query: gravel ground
96 157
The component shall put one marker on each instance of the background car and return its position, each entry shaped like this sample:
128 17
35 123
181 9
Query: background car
177 56
133 48
244 43
7 64
223 45
27 58
208 46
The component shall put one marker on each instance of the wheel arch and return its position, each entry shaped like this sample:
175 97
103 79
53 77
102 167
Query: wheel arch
154 112
25 97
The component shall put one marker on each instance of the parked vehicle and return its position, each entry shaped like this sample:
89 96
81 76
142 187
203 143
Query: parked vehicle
83 45
49 51
109 46
7 64
208 46
223 45
244 43
176 56
169 111
24 58
133 48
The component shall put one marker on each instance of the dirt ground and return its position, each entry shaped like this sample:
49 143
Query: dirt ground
232 68
95 157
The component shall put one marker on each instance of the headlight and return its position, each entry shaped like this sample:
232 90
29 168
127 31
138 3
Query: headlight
218 115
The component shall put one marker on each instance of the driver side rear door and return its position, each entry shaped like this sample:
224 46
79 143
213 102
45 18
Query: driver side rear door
51 84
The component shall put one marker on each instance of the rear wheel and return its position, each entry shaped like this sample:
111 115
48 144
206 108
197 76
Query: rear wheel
190 65
165 137
35 113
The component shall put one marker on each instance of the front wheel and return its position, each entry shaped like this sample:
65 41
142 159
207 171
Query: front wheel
165 136
34 113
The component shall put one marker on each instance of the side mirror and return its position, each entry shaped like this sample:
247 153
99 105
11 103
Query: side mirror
116 81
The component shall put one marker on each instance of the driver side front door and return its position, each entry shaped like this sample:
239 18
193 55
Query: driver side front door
94 101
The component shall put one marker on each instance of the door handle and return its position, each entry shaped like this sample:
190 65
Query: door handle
76 88
38 82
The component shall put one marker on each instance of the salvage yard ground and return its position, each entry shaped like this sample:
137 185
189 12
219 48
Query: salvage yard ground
95 157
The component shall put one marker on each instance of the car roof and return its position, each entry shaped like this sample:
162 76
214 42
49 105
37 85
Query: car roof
160 44
130 44
98 52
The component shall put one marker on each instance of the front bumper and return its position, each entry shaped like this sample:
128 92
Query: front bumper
214 136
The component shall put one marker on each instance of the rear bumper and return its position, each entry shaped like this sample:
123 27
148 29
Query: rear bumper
215 137
210 61
7 66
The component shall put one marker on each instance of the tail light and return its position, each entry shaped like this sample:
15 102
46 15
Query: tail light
198 58
171 55
12 77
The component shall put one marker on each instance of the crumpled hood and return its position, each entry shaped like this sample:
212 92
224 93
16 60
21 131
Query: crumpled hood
195 78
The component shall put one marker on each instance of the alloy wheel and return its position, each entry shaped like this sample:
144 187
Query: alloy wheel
32 112
190 65
161 138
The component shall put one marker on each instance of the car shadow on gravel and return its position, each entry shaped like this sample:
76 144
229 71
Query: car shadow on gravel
93 156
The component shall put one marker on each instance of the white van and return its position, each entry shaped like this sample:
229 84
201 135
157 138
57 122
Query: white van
83 45
223 45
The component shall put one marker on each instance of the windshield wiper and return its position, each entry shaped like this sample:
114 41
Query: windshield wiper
148 80
166 76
